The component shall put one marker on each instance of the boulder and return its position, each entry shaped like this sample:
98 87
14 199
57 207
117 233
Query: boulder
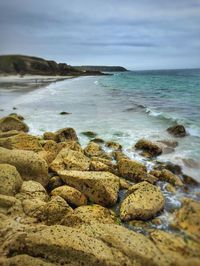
34 208
12 123
100 187
178 250
124 184
31 190
70 160
93 149
54 182
49 136
70 144
10 180
143 201
28 164
99 166
113 145
134 171
20 117
50 151
89 214
177 131
21 141
66 134
9 133
54 210
152 148
188 216
89 134
167 176
71 195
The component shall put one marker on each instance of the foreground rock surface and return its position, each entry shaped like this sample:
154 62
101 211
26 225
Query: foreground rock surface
143 201
28 164
100 187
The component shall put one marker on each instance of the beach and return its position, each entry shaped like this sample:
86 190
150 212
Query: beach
112 170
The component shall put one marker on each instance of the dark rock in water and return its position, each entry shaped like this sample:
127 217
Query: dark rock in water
190 180
98 140
89 134
150 147
12 123
177 131
174 168
20 117
14 108
65 113
66 134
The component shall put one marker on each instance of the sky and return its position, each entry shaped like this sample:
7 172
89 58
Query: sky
137 34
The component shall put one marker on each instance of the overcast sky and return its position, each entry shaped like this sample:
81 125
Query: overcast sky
138 34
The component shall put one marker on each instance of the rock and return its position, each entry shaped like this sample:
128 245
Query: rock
100 187
31 190
66 134
118 155
6 201
10 180
169 143
12 123
178 250
99 166
124 184
71 144
190 180
168 176
177 131
25 260
170 188
134 171
150 147
54 210
70 160
72 196
9 133
113 145
93 149
63 245
55 182
89 214
50 151
174 168
89 134
34 208
28 164
21 141
98 140
20 117
65 113
188 216
49 136
143 201
102 160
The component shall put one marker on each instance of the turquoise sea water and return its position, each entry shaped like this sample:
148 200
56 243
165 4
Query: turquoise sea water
123 107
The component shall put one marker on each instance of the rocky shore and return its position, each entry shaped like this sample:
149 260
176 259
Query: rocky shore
64 204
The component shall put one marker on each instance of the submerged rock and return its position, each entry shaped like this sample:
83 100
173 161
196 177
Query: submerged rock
12 123
143 201
113 145
70 160
89 134
28 164
72 196
177 131
89 214
100 187
149 147
65 113
10 180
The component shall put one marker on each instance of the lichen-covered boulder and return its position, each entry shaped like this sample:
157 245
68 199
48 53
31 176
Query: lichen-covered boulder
49 136
70 144
143 201
89 214
28 164
54 182
66 134
31 190
177 131
178 250
134 171
12 123
99 166
9 133
50 150
70 160
10 180
72 196
152 148
93 149
54 210
167 176
188 216
21 141
100 187
20 117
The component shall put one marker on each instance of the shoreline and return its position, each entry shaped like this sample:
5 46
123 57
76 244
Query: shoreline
50 183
